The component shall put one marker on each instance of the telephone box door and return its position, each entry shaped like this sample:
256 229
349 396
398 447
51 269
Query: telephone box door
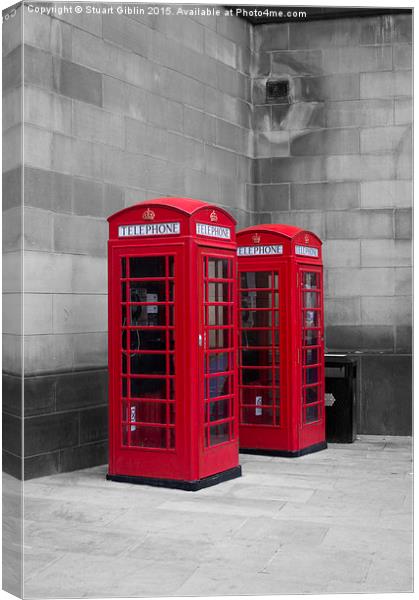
310 291
217 345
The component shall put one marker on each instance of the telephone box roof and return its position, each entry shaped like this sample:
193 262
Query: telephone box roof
187 206
289 231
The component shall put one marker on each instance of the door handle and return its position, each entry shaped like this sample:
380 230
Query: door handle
200 340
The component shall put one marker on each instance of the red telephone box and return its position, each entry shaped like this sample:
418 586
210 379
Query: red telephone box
172 344
281 347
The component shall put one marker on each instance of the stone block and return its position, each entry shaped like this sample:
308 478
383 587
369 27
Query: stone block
232 193
298 169
12 188
85 456
87 21
12 29
12 434
219 161
37 30
12 314
376 30
163 177
376 224
87 158
12 69
199 184
220 48
386 84
386 395
349 60
179 28
403 111
377 310
37 229
271 37
62 153
38 67
165 113
39 395
60 41
125 99
12 108
76 81
343 225
271 144
368 167
12 394
87 197
327 87
231 137
12 270
404 339
299 116
80 234
12 140
12 353
37 147
342 311
180 88
359 113
48 190
232 82
402 57
236 30
260 63
37 313
297 62
50 432
403 281
386 194
199 125
124 168
385 253
185 151
341 253
113 199
79 390
324 33
378 281
343 338
312 221
404 156
326 141
127 33
47 110
402 28
403 224
12 227
275 197
262 118
41 464
77 313
381 139
96 125
325 196
90 350
94 424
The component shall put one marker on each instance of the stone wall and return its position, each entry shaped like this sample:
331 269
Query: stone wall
335 156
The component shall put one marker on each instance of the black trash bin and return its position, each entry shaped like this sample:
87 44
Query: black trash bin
341 397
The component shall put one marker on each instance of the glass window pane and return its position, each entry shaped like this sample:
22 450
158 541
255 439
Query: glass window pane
312 413
311 337
218 268
218 362
149 364
311 299
256 299
254 318
255 377
148 437
310 318
259 338
256 279
141 339
148 291
310 280
219 386
219 433
123 267
124 388
310 375
219 338
124 292
148 388
259 415
218 292
259 396
219 315
148 412
219 410
172 412
311 357
147 266
172 437
311 395
148 316
262 358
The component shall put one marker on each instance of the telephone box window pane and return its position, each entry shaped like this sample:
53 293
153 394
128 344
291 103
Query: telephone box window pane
123 292
259 338
219 434
310 280
259 415
258 396
125 435
148 437
148 291
148 340
311 299
256 377
311 357
218 315
147 266
148 364
124 339
172 412
218 362
310 318
148 316
124 363
256 279
124 315
218 292
172 437
219 410
310 376
256 299
124 388
219 338
148 412
125 411
311 337
217 268
254 318
171 272
311 395
262 358
312 413
148 388
219 386
123 267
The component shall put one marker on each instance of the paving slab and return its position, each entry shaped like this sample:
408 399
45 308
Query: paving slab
338 521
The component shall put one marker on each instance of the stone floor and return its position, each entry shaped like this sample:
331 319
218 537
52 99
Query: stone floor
336 521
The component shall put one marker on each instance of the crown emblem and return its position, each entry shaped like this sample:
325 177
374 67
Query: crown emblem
256 238
213 216
149 214
307 238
